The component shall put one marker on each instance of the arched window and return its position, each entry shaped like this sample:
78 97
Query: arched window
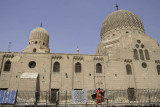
128 69
136 54
98 68
147 54
77 67
56 67
158 69
7 66
141 54
34 50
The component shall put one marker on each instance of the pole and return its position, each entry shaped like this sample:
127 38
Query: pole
46 98
149 96
66 99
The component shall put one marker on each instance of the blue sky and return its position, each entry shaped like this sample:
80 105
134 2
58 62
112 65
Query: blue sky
70 23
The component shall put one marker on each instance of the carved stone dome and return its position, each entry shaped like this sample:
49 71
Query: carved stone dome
39 33
121 19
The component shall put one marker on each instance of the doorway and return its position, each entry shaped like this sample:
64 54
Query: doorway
131 94
54 95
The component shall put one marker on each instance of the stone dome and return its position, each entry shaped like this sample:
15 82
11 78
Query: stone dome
39 33
121 19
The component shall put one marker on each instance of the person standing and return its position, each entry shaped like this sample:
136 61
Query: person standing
99 96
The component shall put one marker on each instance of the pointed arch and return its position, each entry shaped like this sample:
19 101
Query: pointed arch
136 54
98 68
141 54
158 69
7 66
78 67
147 54
128 69
56 67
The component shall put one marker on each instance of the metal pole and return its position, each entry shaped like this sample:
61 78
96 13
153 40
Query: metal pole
46 98
35 100
66 99
149 96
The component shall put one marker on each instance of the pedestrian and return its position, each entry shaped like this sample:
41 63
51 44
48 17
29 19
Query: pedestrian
99 96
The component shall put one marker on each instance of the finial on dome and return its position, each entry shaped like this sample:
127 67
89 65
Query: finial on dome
117 7
41 24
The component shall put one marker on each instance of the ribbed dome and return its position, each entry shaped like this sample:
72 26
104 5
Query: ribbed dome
121 19
39 33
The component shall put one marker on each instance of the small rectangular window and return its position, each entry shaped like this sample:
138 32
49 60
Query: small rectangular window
128 69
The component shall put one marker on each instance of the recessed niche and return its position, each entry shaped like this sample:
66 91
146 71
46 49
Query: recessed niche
137 46
138 41
34 50
142 46
115 75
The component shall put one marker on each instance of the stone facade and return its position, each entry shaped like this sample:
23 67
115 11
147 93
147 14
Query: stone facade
125 58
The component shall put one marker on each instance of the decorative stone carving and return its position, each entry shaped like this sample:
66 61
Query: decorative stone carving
8 55
157 61
97 58
128 60
78 57
57 57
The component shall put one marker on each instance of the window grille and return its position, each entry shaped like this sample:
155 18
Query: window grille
7 66
98 68
136 54
141 54
158 69
131 94
128 69
147 54
56 67
77 67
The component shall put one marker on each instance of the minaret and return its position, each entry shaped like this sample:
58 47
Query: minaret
77 50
